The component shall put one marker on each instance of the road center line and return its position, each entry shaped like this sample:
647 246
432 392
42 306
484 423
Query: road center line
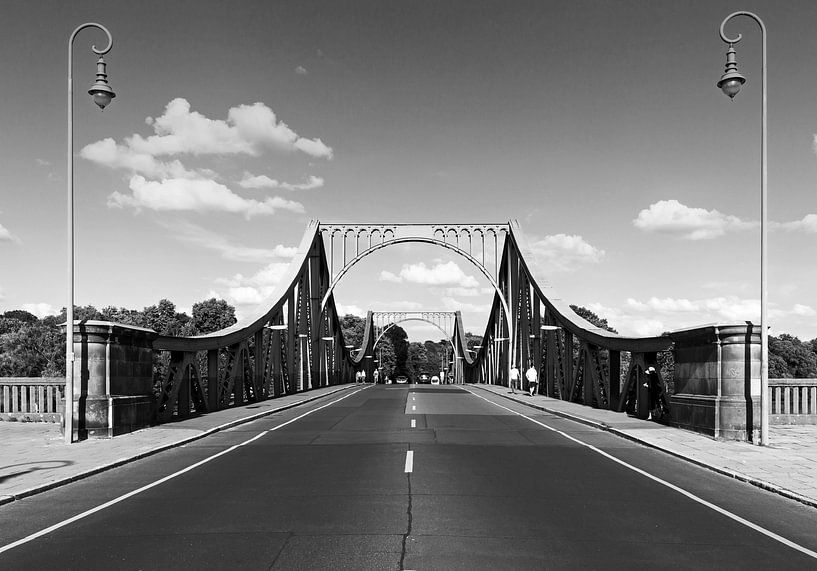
409 461
413 407
690 495
414 423
124 497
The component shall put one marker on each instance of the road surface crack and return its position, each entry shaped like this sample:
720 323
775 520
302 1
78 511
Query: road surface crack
409 517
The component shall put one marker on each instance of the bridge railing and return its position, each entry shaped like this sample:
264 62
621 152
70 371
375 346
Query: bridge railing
793 401
31 399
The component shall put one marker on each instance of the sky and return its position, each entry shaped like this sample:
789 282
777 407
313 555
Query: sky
596 124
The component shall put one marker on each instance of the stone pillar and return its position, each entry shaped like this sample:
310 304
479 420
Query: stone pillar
717 381
113 378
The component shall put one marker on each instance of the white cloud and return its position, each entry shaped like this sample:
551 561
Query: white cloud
672 217
301 70
197 236
807 224
201 195
107 153
252 290
43 162
7 236
730 307
249 129
350 309
451 304
441 274
263 181
803 310
561 252
395 305
40 309
167 184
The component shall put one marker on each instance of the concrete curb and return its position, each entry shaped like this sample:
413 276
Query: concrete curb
122 461
768 486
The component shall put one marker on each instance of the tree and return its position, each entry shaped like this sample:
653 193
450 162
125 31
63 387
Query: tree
21 315
163 319
212 315
353 328
791 357
33 350
585 313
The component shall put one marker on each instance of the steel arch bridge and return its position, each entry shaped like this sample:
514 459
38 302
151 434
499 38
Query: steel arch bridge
293 342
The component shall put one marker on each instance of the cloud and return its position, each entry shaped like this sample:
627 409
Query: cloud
43 162
808 224
7 236
40 309
395 305
350 309
160 181
451 304
442 274
803 310
107 153
201 195
201 237
249 129
672 217
561 252
301 70
252 290
263 181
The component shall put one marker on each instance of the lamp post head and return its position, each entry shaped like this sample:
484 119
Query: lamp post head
731 81
101 91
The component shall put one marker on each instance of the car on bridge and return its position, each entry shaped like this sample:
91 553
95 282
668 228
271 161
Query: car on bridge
423 380
402 379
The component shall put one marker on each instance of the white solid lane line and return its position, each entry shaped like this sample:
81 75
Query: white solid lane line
413 423
124 497
690 495
409 461
413 407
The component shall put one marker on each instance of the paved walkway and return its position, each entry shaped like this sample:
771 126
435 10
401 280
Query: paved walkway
787 466
33 457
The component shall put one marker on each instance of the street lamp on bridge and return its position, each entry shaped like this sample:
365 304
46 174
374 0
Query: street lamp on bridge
730 83
102 94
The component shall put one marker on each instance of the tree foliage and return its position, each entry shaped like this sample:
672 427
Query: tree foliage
32 347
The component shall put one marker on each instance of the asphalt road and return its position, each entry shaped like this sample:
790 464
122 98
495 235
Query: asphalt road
409 477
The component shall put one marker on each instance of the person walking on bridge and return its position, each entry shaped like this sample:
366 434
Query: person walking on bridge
514 379
531 376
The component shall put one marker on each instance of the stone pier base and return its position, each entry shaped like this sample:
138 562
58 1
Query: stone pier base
113 379
717 381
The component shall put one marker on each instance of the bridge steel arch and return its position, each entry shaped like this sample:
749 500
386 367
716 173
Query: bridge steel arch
385 320
293 341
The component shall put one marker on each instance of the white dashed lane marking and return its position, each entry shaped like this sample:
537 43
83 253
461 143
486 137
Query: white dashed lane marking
409 461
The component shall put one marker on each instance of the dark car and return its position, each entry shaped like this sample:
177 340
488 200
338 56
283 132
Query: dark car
424 379
402 379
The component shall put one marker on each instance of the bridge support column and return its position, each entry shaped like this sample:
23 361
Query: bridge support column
717 381
113 372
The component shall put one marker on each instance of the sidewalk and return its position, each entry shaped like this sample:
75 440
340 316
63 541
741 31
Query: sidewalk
788 466
34 457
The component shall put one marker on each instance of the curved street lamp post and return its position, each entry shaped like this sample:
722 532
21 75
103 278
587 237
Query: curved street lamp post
730 83
102 94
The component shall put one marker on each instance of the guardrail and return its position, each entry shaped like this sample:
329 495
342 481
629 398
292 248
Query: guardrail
31 399
793 401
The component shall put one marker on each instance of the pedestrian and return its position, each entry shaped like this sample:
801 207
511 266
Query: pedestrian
530 374
376 376
362 376
514 379
357 377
